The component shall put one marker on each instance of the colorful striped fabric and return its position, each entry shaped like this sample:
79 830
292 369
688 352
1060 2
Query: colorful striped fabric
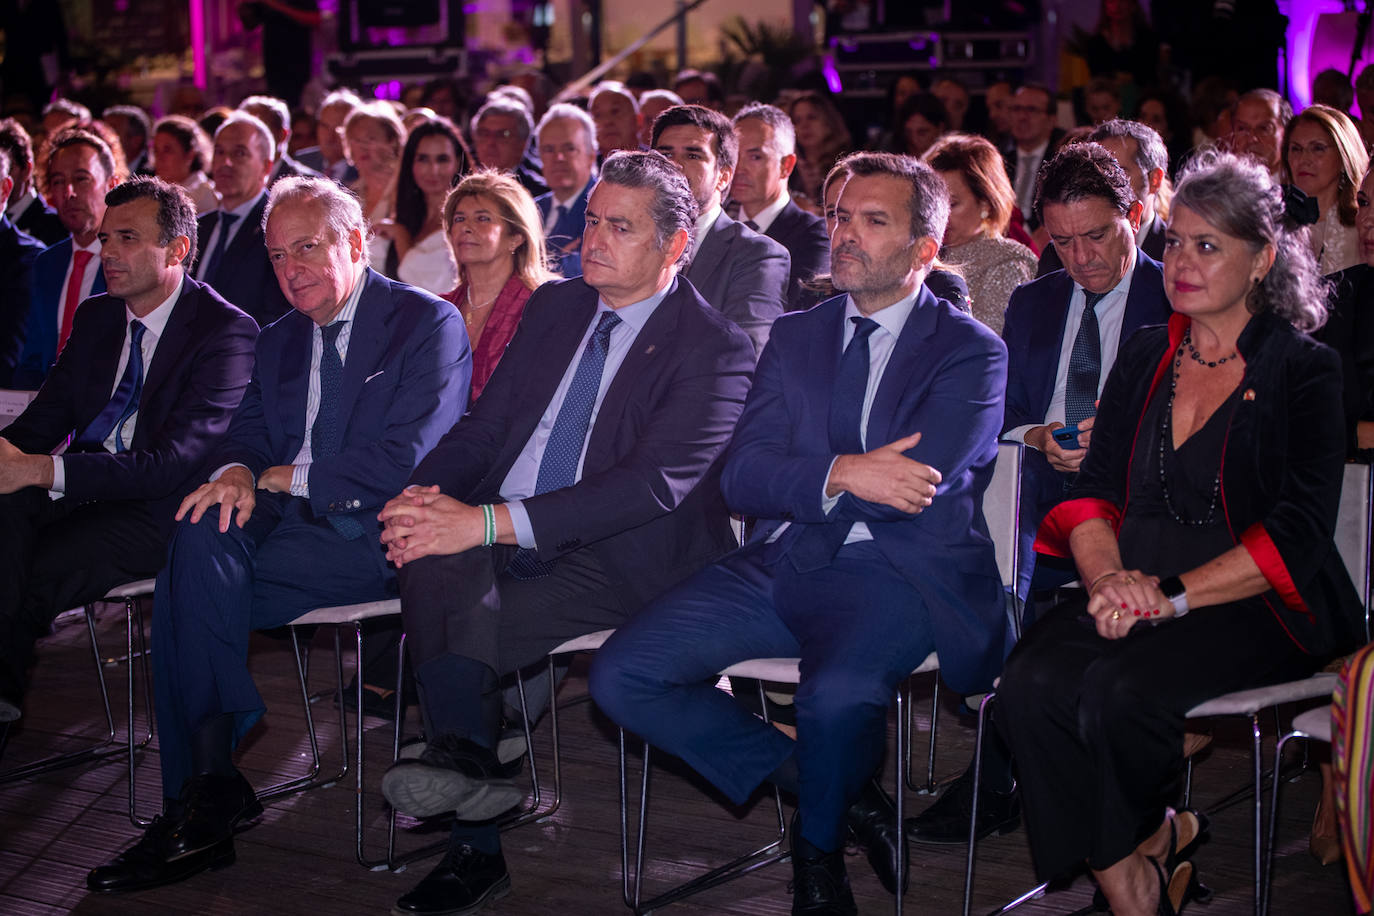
1352 757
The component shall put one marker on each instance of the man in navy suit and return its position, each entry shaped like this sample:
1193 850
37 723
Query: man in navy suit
567 146
232 257
26 209
80 170
500 137
273 112
328 156
865 446
584 482
144 389
1142 153
18 250
767 155
1060 351
1033 141
350 390
740 272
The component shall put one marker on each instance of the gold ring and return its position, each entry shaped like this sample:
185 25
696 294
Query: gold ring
1116 615
1129 580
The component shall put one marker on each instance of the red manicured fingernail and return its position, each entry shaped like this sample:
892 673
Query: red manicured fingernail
1123 606
1137 613
1156 612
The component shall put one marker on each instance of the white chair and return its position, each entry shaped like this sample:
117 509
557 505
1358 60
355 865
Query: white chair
1352 539
1313 725
12 404
128 595
1000 511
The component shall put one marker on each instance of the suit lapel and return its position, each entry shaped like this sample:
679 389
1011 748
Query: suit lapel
1047 335
1143 300
920 324
293 379
649 345
249 236
367 341
175 335
710 254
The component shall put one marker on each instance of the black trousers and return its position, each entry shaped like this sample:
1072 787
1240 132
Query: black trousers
1096 725
60 554
466 605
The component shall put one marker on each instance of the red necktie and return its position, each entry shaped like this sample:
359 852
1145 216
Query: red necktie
79 261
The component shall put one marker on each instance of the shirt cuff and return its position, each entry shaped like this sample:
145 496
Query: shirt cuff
59 476
1019 434
219 471
520 521
300 480
829 502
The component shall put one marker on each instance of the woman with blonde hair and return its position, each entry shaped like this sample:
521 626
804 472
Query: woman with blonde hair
822 138
1325 159
373 136
980 205
497 238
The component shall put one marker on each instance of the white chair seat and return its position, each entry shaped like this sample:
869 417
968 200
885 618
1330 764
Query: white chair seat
786 670
585 643
1249 702
349 613
132 590
1315 723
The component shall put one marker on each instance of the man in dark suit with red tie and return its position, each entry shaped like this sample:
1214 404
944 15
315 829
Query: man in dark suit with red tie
80 170
584 481
232 257
145 388
350 389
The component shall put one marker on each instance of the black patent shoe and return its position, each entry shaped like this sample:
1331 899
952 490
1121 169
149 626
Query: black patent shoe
946 822
211 806
147 864
462 883
820 886
872 821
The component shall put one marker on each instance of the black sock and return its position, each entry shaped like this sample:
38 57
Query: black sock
212 746
786 777
484 837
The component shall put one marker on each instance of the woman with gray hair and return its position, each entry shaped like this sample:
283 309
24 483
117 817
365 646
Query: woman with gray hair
1201 524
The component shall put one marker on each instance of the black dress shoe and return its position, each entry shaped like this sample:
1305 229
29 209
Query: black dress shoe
872 820
820 886
210 807
463 882
452 774
146 863
946 822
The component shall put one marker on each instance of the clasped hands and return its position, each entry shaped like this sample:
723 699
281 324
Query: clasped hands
422 522
1122 598
886 476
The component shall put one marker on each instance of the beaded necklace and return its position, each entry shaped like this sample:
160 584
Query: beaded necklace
1166 434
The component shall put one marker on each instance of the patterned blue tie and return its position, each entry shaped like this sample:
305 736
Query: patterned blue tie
226 225
327 432
124 401
817 544
1085 365
563 451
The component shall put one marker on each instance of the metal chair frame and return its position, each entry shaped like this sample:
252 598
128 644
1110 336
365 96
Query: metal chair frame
1313 725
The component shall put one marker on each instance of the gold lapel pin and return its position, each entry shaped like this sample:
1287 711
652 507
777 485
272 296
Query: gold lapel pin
1249 394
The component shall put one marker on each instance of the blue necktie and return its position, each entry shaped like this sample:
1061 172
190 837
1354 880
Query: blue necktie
124 401
816 545
563 451
226 225
327 432
1085 365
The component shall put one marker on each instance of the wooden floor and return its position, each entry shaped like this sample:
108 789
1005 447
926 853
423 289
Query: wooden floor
299 858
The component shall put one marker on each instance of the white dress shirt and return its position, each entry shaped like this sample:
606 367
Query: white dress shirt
764 218
704 223
154 323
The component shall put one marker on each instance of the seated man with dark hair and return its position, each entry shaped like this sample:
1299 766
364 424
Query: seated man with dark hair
144 388
865 447
584 481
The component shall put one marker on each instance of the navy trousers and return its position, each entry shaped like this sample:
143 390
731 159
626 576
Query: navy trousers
216 589
858 627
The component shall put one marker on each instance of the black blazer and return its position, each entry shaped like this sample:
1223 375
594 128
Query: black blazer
743 274
192 386
1349 330
649 501
803 235
244 275
17 252
1281 471
1152 245
40 221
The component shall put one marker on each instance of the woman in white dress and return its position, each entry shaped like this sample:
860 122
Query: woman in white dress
373 135
181 153
1325 158
433 161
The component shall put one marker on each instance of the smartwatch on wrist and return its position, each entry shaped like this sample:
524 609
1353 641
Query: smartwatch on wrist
1173 589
